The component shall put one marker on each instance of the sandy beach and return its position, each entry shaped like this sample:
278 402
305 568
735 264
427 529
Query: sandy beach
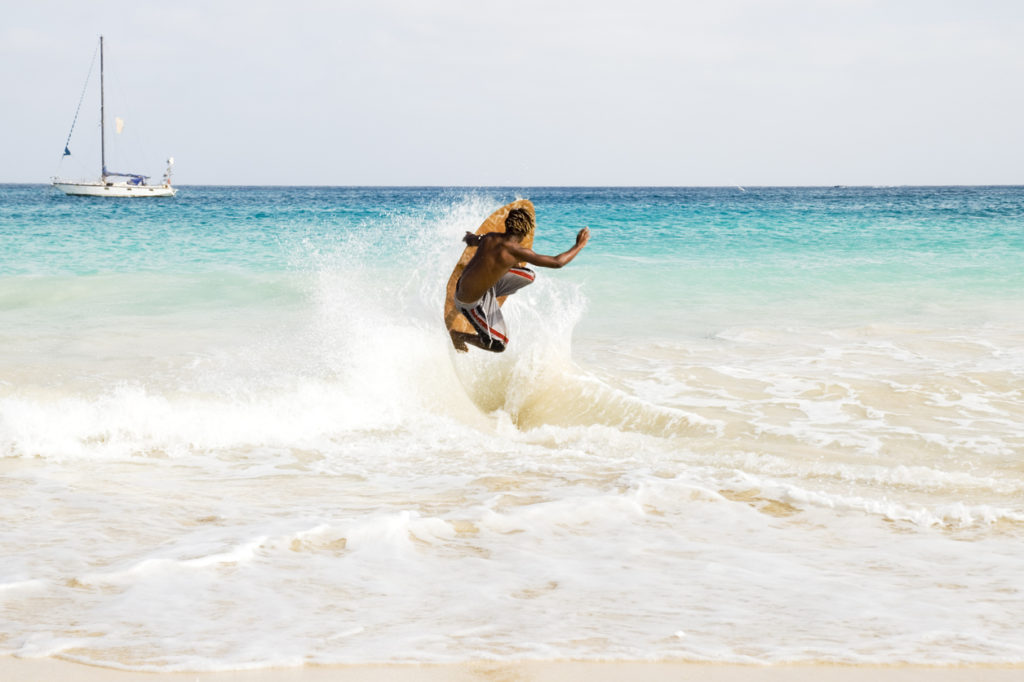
48 669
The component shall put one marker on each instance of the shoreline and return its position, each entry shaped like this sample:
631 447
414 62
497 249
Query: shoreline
47 669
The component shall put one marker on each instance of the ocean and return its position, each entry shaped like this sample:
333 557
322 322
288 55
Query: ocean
749 425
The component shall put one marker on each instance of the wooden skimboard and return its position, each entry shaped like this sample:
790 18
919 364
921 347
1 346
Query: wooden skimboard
454 320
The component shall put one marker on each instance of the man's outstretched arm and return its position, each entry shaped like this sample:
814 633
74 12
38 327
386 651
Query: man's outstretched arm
561 260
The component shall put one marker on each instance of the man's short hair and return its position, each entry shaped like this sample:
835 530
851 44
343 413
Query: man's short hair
519 222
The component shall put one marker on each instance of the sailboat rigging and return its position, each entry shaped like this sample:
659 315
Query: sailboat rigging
111 183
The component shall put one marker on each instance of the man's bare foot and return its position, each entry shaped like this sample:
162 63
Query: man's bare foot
459 341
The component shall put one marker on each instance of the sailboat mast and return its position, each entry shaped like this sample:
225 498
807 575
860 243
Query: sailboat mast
103 123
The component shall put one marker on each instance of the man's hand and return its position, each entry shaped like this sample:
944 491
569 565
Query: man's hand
583 237
472 239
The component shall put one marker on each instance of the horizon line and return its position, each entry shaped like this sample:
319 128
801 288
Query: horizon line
574 186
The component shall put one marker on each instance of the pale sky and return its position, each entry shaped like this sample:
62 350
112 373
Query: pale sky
444 92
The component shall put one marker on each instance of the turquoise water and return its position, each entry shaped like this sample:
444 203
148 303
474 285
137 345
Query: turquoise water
212 227
766 245
757 425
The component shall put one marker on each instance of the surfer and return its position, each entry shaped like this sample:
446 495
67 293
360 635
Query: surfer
494 272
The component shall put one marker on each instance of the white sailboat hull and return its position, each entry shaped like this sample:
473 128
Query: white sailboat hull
113 189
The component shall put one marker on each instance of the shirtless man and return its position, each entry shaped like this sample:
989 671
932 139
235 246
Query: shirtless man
494 272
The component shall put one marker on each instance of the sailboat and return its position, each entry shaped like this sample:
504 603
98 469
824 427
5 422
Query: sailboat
113 184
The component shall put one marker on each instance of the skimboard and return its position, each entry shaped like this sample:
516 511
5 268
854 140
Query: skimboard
453 320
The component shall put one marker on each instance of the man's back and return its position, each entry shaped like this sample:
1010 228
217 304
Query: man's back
492 259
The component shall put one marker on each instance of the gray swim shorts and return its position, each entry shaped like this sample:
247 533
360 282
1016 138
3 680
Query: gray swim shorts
485 314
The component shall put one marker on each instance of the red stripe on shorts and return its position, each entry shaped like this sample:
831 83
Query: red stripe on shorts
522 272
483 323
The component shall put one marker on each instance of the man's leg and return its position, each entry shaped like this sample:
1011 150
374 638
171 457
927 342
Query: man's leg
490 329
513 280
460 339
485 317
